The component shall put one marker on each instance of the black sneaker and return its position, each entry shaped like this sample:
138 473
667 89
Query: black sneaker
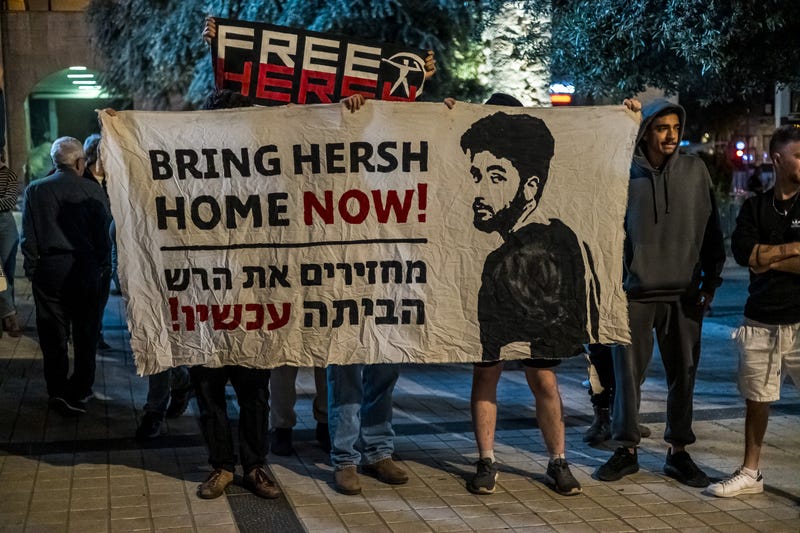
681 467
561 479
82 398
621 464
149 427
178 402
65 407
485 480
281 441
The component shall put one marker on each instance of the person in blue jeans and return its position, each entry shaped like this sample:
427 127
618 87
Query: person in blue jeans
360 423
360 414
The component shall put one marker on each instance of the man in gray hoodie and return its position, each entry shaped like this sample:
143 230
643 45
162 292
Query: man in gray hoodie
674 255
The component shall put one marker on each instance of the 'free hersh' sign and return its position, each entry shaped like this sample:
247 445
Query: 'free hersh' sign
274 65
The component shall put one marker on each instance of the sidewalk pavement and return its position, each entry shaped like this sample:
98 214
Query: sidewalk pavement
89 475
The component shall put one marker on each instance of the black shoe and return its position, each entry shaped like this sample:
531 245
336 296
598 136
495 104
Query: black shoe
485 480
561 479
644 431
149 427
681 467
281 441
102 344
621 464
600 430
81 398
178 402
323 437
259 483
65 407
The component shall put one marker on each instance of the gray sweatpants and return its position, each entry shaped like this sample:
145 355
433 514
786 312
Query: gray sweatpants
678 330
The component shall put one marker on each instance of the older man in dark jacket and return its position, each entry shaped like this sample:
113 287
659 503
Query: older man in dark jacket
66 248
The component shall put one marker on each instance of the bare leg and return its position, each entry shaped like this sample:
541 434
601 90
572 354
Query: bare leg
755 427
484 404
544 385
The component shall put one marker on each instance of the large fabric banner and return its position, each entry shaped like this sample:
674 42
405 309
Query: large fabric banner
309 235
275 65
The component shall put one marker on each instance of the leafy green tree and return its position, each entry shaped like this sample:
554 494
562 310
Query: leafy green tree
154 52
720 50
150 47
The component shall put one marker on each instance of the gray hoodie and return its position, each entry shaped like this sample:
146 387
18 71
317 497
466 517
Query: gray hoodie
673 244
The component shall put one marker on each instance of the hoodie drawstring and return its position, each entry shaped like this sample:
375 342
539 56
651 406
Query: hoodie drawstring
653 189
666 195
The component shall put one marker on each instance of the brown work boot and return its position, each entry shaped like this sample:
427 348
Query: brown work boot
259 483
214 486
345 480
386 470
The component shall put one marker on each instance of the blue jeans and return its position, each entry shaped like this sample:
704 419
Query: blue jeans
360 413
9 240
159 387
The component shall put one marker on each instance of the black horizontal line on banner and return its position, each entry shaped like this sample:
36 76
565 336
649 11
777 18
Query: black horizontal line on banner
203 247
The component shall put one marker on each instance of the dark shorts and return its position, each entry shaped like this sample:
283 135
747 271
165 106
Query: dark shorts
530 363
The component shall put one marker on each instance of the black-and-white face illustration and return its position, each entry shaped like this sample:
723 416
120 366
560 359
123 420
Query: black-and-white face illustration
500 192
509 162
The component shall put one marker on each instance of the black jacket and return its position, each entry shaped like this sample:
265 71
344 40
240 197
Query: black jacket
65 214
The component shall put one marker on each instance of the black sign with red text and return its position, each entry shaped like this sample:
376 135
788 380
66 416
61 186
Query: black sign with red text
275 65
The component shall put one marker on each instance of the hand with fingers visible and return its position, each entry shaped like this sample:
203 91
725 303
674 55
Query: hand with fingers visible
210 29
354 102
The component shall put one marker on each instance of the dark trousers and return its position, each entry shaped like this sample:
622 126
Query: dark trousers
678 330
67 293
252 394
601 359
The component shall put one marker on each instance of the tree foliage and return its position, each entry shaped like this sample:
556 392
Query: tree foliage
721 49
153 48
150 46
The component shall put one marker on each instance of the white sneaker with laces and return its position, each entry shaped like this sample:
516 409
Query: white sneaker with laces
738 483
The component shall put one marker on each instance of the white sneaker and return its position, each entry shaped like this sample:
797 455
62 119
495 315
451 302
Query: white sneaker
738 483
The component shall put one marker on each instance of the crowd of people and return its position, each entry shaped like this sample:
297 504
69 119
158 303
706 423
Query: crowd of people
673 259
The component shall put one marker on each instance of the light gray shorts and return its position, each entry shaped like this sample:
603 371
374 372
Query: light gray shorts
767 353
